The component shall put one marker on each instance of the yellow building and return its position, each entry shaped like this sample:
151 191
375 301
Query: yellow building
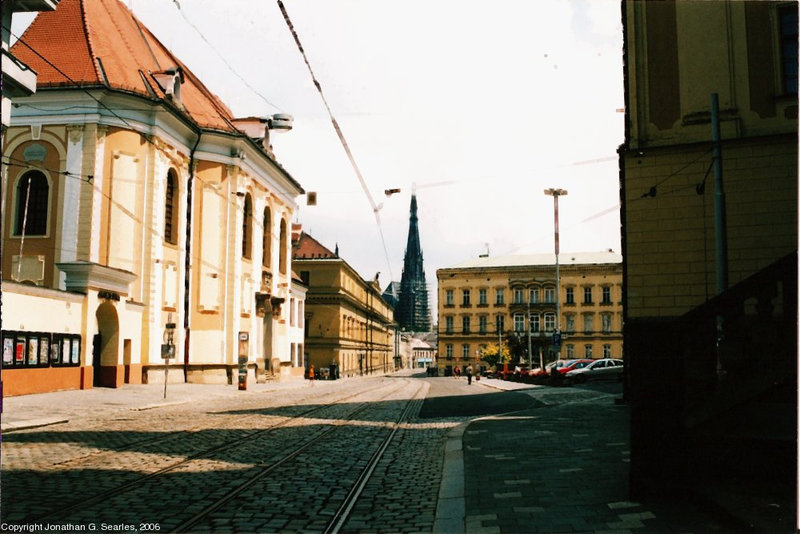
349 327
708 176
137 212
485 300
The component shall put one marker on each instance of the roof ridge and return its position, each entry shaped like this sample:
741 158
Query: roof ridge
90 44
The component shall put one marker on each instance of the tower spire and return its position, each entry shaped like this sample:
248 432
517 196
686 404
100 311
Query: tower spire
412 311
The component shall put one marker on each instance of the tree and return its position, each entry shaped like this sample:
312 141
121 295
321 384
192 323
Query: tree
494 355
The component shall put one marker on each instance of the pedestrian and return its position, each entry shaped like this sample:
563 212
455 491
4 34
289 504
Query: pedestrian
457 373
469 375
311 373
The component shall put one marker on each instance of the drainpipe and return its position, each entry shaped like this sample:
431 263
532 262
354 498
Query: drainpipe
720 223
187 281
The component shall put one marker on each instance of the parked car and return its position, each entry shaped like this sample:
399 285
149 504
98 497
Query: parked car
571 365
604 369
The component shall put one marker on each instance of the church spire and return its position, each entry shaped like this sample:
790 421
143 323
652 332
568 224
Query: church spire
412 312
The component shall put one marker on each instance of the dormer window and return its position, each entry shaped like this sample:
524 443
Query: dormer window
170 81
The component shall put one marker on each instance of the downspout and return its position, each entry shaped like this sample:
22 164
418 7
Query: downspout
187 271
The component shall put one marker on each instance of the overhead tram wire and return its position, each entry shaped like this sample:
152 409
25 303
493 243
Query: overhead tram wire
340 134
221 57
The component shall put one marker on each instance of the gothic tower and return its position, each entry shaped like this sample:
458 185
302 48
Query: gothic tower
412 312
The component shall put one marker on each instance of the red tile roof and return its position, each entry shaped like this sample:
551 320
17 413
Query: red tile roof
80 32
309 248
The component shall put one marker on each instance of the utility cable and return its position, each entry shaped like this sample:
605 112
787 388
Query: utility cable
340 134
221 57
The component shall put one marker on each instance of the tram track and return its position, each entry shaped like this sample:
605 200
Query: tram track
82 503
340 516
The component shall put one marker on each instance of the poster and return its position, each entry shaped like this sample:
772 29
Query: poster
76 351
44 350
33 350
54 350
8 351
19 356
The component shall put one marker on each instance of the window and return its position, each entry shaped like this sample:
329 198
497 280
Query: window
482 297
282 263
465 297
500 297
518 296
570 351
33 193
606 322
549 321
519 322
570 297
606 351
788 27
291 312
465 324
533 297
587 352
606 295
448 297
570 323
588 324
549 295
482 320
587 295
500 323
40 349
534 320
266 242
448 351
448 325
171 209
247 226
465 351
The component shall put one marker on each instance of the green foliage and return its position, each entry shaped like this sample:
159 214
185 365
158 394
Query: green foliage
494 355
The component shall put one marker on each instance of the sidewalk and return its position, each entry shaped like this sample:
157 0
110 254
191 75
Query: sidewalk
43 409
559 467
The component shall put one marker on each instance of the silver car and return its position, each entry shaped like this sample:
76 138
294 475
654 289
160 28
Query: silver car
605 369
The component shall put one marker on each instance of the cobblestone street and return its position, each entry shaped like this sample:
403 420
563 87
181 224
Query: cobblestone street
255 461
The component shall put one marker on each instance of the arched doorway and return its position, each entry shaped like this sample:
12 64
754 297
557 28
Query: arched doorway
105 346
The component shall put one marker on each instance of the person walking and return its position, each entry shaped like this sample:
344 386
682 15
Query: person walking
469 375
457 372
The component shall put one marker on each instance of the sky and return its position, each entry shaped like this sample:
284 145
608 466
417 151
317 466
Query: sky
481 105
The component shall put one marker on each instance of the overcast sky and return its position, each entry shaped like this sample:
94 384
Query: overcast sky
500 100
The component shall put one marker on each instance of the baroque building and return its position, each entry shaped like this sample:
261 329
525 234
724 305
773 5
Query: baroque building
348 325
486 300
708 176
413 312
143 224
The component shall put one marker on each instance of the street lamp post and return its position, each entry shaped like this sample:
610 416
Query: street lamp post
555 193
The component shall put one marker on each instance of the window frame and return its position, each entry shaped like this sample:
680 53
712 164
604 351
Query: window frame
21 198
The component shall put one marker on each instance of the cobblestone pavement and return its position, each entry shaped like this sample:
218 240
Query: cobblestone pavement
70 473
535 459
561 466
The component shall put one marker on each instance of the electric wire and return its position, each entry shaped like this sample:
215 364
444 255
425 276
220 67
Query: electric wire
222 58
340 134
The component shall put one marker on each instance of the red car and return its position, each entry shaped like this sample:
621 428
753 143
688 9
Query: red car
571 365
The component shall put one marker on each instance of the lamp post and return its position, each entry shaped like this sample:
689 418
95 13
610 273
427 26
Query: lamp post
555 193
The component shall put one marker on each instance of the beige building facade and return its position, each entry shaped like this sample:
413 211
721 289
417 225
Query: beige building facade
709 233
136 214
349 327
486 300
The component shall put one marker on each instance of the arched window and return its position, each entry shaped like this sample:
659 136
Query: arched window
266 254
171 209
282 254
247 226
33 192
